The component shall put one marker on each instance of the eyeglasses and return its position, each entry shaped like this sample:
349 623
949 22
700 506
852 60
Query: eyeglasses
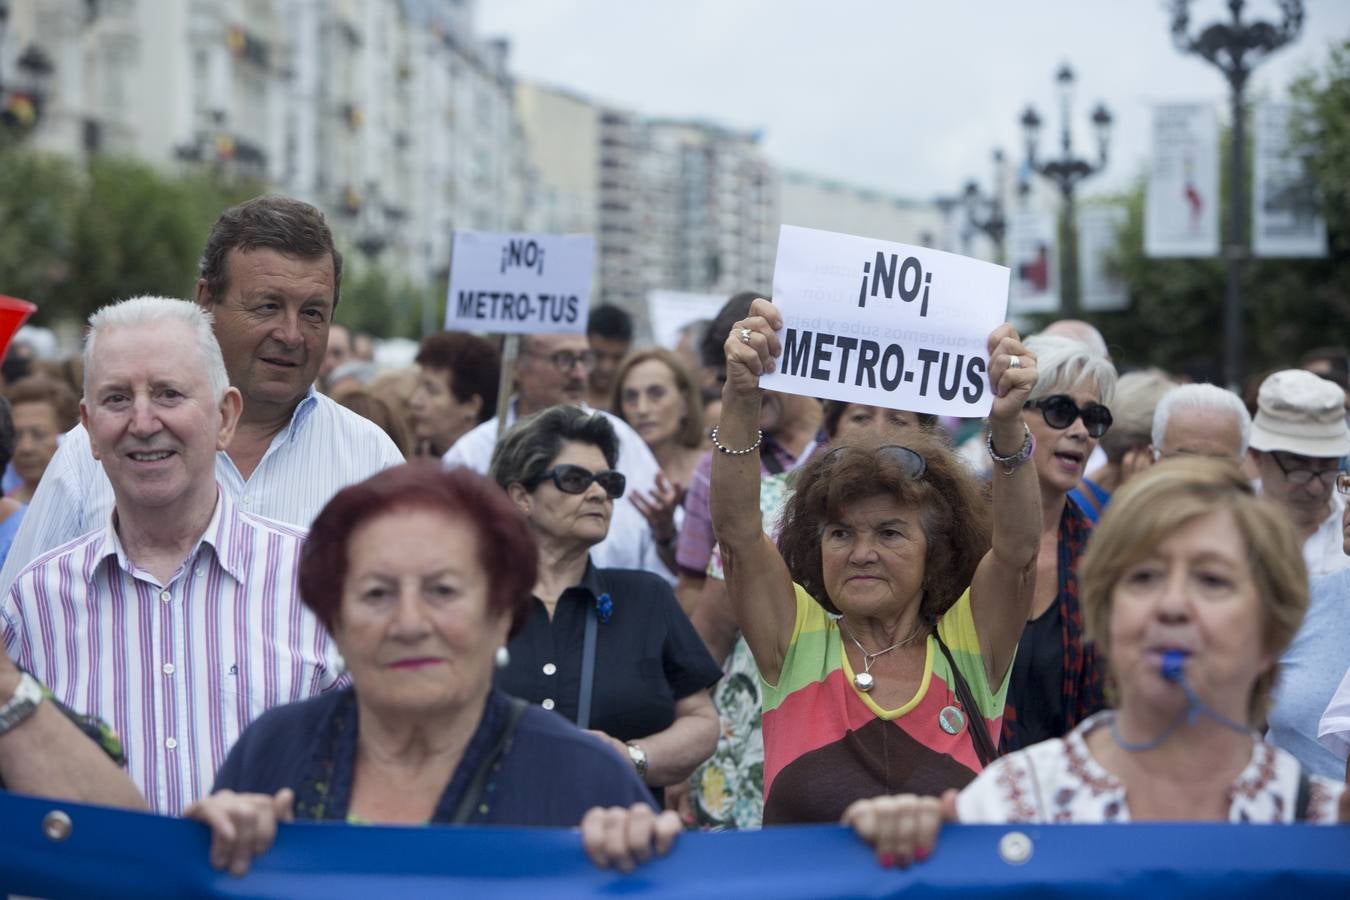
1305 474
1059 411
910 463
575 480
566 360
1343 482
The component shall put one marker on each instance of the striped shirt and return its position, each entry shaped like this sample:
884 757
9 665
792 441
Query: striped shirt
324 448
177 669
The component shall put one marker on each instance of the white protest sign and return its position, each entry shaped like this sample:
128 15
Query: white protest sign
669 311
519 283
870 321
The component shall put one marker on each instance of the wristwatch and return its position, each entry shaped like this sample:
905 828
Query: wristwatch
638 756
23 704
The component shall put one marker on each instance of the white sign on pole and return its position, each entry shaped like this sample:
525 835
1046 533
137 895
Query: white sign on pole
1182 202
870 321
1098 239
1033 255
1286 218
670 311
519 283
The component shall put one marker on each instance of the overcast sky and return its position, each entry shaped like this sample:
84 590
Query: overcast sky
906 96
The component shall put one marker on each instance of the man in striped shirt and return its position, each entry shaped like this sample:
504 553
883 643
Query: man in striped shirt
271 277
177 619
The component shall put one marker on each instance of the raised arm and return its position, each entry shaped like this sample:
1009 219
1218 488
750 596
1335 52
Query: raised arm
758 582
1005 579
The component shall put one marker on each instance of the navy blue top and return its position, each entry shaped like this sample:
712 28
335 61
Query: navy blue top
549 774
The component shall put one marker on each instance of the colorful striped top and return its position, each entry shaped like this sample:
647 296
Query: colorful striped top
827 744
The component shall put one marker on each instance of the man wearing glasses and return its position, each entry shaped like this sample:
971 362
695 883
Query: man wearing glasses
552 369
1299 440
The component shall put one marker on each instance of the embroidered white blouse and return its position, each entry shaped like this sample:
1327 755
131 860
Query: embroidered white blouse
1059 781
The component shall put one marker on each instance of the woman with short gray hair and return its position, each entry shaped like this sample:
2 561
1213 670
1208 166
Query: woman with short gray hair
609 649
1055 681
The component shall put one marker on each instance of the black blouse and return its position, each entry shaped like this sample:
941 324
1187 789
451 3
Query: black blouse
647 654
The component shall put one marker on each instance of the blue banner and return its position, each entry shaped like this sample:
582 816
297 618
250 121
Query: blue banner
108 854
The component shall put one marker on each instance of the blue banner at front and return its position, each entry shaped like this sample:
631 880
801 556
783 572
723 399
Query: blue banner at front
108 853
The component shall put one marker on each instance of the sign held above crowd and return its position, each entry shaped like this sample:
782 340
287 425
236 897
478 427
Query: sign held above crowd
870 321
520 283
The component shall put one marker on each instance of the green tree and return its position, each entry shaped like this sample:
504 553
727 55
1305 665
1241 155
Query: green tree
377 302
40 199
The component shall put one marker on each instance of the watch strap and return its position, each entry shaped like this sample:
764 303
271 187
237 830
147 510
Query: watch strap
23 704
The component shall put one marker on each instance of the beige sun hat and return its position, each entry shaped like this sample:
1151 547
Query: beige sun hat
1299 412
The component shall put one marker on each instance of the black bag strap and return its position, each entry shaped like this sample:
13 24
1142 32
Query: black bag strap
985 750
587 673
474 792
1304 798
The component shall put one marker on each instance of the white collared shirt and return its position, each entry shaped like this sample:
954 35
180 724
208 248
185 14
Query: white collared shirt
629 544
1324 550
177 669
324 448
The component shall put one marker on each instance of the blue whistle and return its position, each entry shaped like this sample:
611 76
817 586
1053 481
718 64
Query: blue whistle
1173 662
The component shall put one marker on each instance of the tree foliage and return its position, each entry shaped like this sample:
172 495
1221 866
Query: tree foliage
78 238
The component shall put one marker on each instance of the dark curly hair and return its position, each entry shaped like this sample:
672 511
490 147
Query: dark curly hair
954 515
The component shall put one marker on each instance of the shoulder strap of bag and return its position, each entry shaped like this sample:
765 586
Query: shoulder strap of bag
985 750
474 792
1304 798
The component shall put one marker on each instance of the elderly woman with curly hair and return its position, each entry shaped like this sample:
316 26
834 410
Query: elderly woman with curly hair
1193 587
885 627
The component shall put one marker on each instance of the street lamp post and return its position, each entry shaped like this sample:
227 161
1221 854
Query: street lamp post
1235 48
1066 171
986 213
22 101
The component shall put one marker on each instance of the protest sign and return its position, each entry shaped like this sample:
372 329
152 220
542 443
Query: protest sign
1098 240
1182 202
1286 215
520 283
870 321
670 311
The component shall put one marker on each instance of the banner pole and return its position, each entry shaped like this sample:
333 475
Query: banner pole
510 350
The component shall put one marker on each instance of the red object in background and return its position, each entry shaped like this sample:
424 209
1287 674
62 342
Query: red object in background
13 313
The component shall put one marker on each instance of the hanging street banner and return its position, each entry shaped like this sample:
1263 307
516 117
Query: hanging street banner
669 312
870 321
1033 255
1286 216
1098 240
520 283
1182 203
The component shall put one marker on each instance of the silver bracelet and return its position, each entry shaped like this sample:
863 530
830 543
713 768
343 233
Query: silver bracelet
759 437
1011 463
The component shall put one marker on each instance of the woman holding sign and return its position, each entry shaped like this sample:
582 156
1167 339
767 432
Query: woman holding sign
885 627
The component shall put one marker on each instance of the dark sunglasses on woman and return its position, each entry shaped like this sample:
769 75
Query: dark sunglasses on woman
575 480
1059 411
907 460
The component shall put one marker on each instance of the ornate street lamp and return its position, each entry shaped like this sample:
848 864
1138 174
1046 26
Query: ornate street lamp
1066 171
22 101
986 213
1235 48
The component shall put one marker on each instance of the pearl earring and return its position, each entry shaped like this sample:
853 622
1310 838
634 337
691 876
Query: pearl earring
502 657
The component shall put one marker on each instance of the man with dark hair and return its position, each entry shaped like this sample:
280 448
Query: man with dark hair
457 376
609 331
270 276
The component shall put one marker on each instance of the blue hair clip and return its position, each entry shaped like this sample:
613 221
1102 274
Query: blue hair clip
604 608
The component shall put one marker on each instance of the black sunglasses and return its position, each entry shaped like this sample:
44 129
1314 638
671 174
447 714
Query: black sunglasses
909 462
575 480
1059 411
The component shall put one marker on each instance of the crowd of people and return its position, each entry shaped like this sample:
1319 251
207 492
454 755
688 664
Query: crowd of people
249 577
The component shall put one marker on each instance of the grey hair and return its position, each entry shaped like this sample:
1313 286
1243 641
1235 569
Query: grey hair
148 312
1063 364
1137 395
1080 331
1201 398
529 447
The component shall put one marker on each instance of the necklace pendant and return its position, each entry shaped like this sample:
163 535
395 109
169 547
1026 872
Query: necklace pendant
952 719
864 682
